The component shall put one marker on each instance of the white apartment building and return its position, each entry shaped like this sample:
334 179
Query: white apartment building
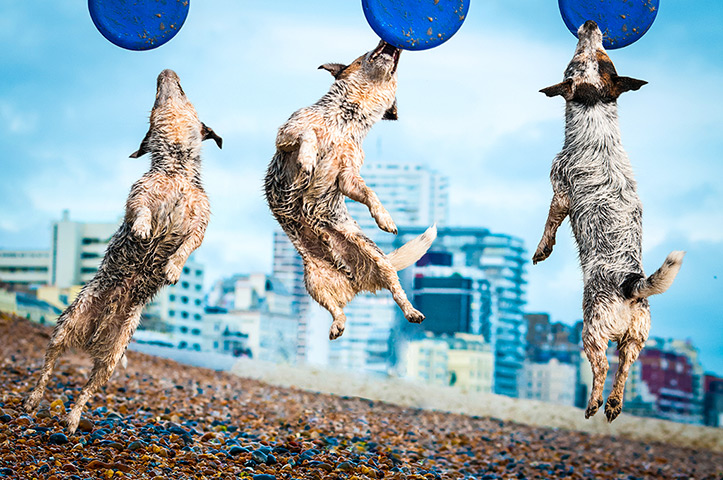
552 382
252 315
25 267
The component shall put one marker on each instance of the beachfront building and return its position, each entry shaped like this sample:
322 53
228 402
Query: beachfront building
254 316
552 381
24 268
462 360
501 258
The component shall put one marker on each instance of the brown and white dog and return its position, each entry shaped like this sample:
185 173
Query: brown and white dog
593 183
166 217
317 162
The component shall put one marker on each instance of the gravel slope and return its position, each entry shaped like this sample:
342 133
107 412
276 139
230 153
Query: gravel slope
159 419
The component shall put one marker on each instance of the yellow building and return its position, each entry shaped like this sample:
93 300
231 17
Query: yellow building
58 297
464 361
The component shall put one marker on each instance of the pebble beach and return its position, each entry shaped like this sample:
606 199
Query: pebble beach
159 419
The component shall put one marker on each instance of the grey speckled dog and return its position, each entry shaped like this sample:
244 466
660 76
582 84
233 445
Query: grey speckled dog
592 182
317 162
166 217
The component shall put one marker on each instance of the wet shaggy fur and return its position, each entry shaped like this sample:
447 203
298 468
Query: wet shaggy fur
593 184
166 216
317 162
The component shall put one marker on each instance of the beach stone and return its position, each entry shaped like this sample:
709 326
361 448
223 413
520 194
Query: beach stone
58 439
85 425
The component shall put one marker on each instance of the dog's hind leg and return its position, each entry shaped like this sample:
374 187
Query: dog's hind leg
629 348
381 270
57 345
105 359
331 289
595 342
559 208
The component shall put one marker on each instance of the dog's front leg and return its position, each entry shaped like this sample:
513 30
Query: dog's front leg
141 216
307 144
198 225
559 208
353 186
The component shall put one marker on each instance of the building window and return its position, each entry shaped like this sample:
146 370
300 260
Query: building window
197 316
196 331
186 270
184 284
184 314
198 288
198 302
172 298
199 273
184 329
184 299
171 313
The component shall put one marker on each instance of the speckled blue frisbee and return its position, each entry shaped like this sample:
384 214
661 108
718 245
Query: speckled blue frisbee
415 24
138 24
622 22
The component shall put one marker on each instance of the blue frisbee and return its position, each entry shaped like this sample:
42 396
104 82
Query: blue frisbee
622 22
415 24
138 24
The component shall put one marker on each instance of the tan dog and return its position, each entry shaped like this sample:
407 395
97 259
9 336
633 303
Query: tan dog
317 162
166 216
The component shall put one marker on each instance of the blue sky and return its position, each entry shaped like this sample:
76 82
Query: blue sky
73 107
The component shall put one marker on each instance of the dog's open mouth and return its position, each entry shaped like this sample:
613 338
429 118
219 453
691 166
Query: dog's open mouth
393 52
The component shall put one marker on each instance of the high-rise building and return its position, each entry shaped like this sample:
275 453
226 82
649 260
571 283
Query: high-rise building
288 268
413 194
454 299
501 258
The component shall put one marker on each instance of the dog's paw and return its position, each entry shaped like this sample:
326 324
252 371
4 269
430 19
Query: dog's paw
142 227
173 272
613 407
71 421
415 316
385 222
542 252
336 331
31 402
592 407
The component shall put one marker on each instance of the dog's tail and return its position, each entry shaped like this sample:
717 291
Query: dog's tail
413 250
637 286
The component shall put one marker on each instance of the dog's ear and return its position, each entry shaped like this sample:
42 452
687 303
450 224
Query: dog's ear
207 132
143 149
625 84
391 113
563 88
334 68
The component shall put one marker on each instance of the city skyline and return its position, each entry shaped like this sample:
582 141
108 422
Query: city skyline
468 109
